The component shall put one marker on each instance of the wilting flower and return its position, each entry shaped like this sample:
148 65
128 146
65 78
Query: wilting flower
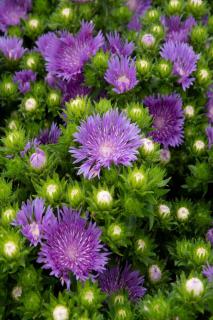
72 245
184 61
33 218
208 272
209 133
118 46
49 135
12 11
209 236
121 74
11 47
177 30
110 139
139 8
168 119
66 56
117 278
24 79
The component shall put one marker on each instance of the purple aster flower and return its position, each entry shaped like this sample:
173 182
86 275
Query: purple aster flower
33 218
66 56
115 279
208 272
72 245
209 133
50 136
11 47
105 140
44 43
12 11
210 104
209 236
177 30
118 46
24 79
184 61
139 8
168 119
121 74
38 159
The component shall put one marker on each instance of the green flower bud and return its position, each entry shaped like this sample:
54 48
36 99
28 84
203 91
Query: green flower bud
30 104
199 146
164 68
155 307
157 30
174 7
60 312
100 60
116 231
14 140
163 211
10 245
104 199
31 61
194 287
75 195
196 7
151 16
29 277
53 99
8 89
5 191
203 76
137 178
183 214
123 313
199 34
7 216
139 114
34 26
189 111
148 41
103 105
143 66
31 301
16 292
119 299
201 252
77 107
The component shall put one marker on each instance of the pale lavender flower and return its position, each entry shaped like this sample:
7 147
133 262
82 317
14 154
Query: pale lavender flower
105 140
184 61
176 30
11 48
117 278
12 11
72 245
23 79
119 46
33 218
121 74
208 272
209 133
38 159
168 119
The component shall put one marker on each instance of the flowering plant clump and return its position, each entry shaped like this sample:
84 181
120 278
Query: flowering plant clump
106 160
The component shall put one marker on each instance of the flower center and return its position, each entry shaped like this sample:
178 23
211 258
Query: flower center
159 122
106 150
123 80
72 253
34 229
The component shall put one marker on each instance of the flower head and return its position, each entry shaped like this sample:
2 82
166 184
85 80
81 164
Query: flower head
33 218
118 46
121 74
38 159
210 104
209 236
139 8
110 139
208 272
209 133
11 47
24 79
12 11
184 61
72 245
50 135
66 55
176 30
118 278
168 119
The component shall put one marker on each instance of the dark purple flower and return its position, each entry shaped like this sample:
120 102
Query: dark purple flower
209 236
209 133
139 8
24 79
72 245
118 46
184 61
74 88
38 159
210 104
12 11
121 74
115 279
168 119
11 47
66 56
50 135
105 140
33 218
176 30
208 272
44 43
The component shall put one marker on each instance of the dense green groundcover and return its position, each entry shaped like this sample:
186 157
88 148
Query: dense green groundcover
155 210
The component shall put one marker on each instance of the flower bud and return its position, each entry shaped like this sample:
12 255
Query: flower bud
189 111
148 40
165 156
155 273
60 312
143 66
137 178
163 211
183 214
194 286
104 199
32 301
174 7
199 146
16 293
75 195
7 216
116 231
203 76
38 159
199 35
30 104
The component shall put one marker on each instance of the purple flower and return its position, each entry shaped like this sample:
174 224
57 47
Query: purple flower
66 56
118 46
44 43
74 88
121 74
115 279
184 61
24 79
12 11
29 145
105 140
208 272
38 159
168 119
209 236
210 104
49 136
177 30
139 7
72 245
11 47
33 218
209 133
